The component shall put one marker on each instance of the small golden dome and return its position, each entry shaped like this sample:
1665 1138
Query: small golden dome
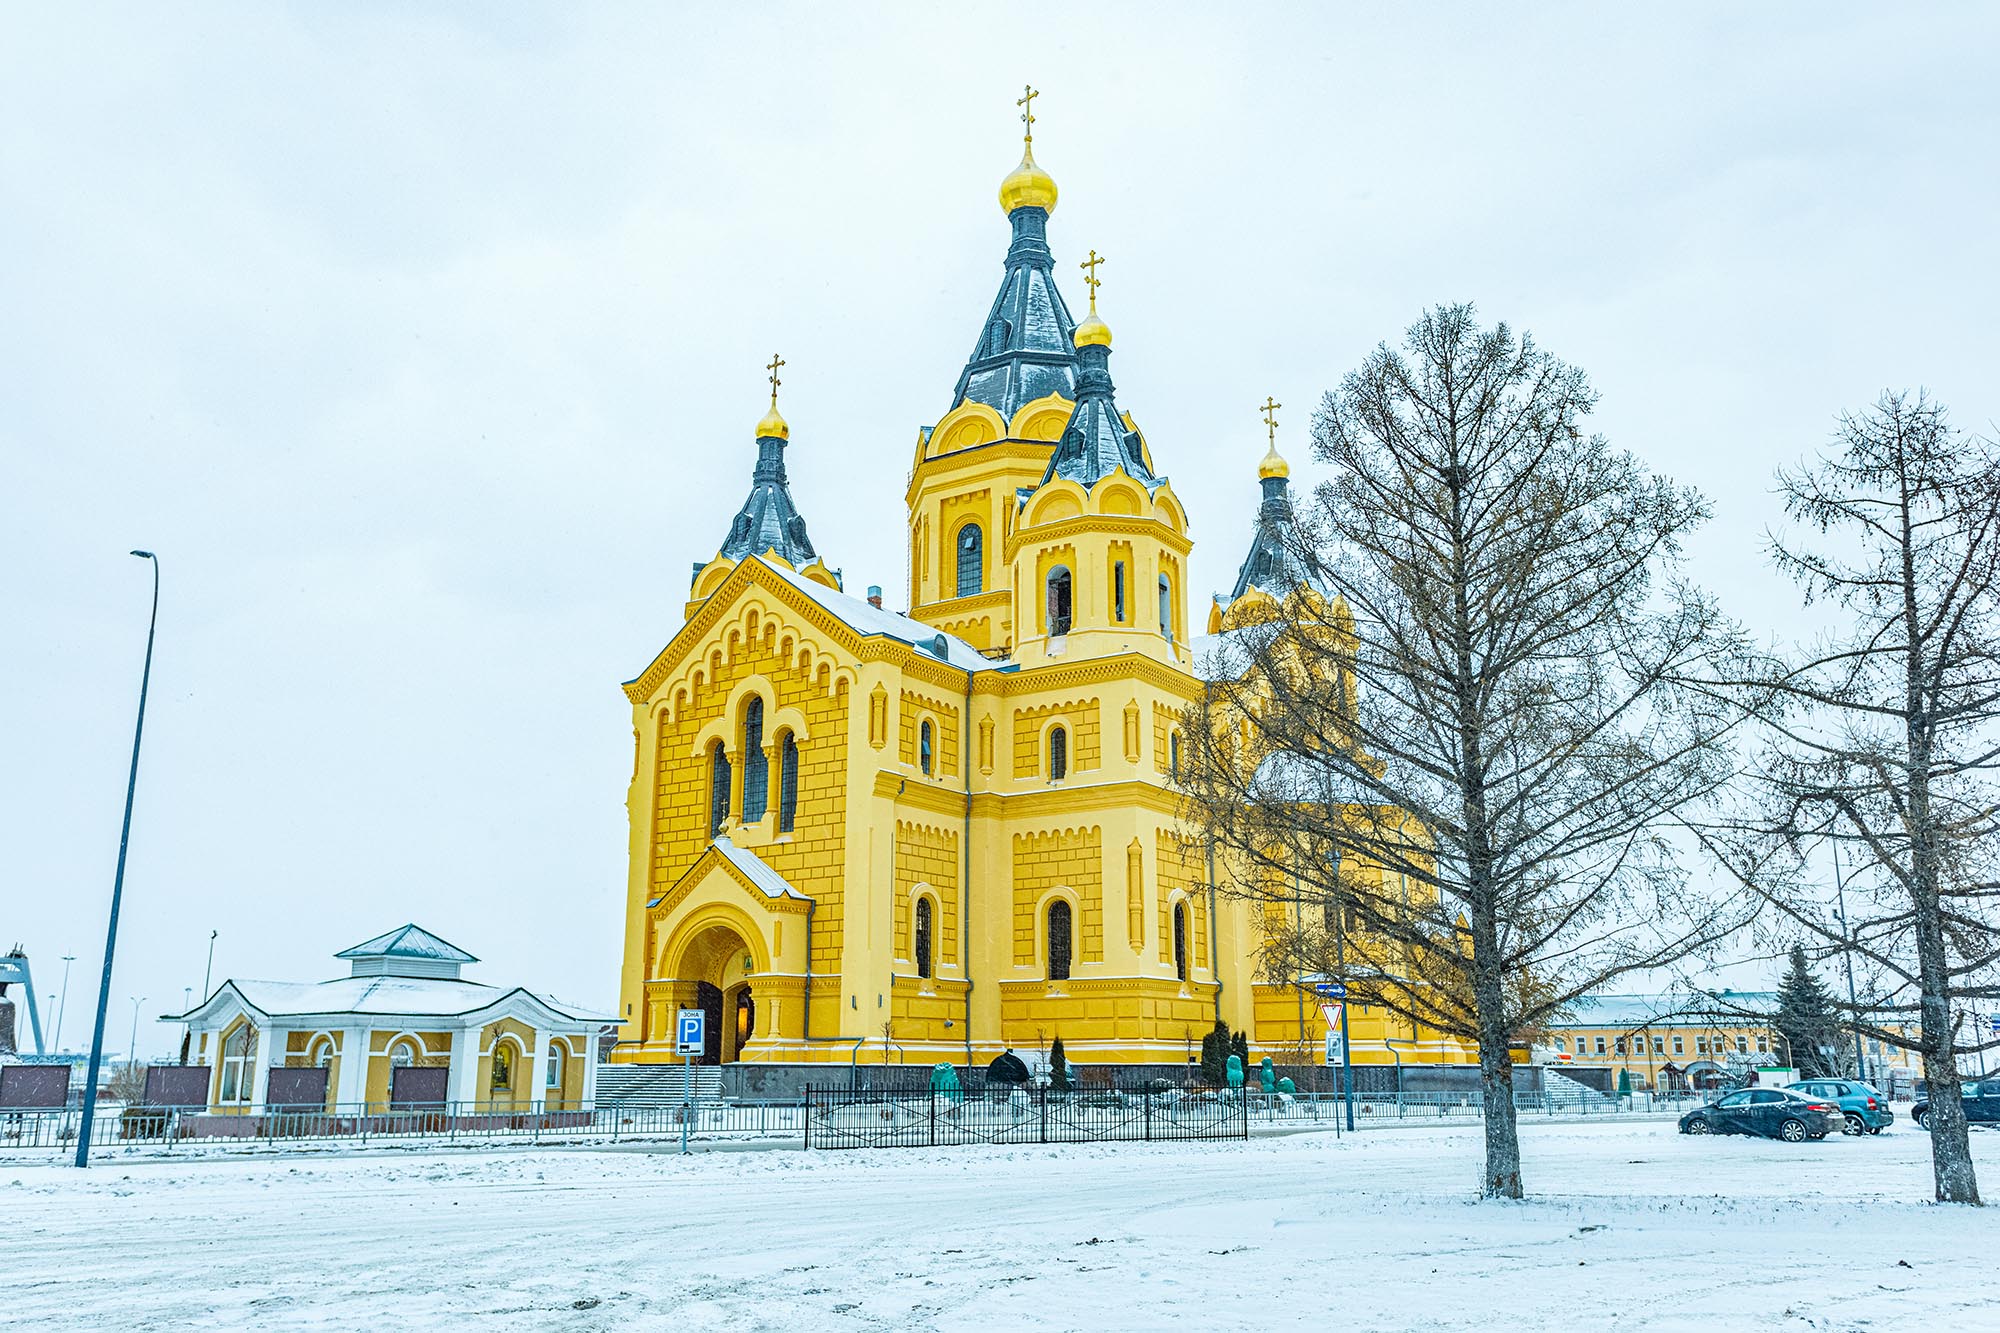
1028 186
1093 332
1273 465
773 425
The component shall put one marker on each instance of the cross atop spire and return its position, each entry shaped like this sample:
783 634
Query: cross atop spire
1027 104
776 361
1269 409
1089 267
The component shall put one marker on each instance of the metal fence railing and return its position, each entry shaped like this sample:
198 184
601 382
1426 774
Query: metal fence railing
843 1119
1000 1114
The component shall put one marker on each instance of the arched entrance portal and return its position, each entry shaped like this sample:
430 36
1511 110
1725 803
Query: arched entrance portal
722 965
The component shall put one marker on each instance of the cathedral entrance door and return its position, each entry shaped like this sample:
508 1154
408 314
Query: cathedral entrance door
740 1009
709 998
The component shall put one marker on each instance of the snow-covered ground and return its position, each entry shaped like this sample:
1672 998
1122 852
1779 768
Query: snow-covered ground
1632 1226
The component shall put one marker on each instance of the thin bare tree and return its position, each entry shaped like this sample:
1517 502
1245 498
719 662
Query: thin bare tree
1889 740
1448 769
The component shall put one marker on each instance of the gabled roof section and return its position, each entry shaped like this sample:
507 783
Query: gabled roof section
408 941
768 520
766 880
870 621
1096 442
1025 348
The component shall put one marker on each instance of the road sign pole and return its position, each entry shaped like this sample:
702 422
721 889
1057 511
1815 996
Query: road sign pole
1346 1065
687 1098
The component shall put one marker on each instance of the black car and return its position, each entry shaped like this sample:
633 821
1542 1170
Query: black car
1774 1113
1981 1101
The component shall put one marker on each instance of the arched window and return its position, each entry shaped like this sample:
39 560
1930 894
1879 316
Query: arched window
402 1055
1174 754
1166 608
921 944
756 765
1059 940
718 788
239 1064
1180 940
503 1067
552 1075
1058 753
1058 601
971 561
788 782
1118 591
924 747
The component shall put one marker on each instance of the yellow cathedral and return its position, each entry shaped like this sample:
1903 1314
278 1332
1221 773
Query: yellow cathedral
858 836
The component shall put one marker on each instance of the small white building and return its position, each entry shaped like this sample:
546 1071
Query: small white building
402 1030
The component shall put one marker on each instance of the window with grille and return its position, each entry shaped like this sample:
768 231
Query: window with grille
924 748
971 560
1180 940
788 782
756 765
921 945
718 788
1058 601
1059 925
1058 752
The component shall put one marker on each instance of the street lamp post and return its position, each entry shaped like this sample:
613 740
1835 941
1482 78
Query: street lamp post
118 881
132 1043
62 1005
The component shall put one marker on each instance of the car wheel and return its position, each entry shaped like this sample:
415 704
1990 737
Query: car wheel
1793 1131
1923 1119
1854 1124
1698 1127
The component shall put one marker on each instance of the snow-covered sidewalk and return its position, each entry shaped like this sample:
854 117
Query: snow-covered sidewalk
1631 1224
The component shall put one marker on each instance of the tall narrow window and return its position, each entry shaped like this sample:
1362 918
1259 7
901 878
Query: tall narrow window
1166 608
1174 755
238 1065
924 747
1180 940
756 765
1058 601
971 561
921 945
718 788
1118 591
788 782
1059 940
1058 753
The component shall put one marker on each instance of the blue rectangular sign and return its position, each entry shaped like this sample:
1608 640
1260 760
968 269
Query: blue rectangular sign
1332 990
690 1031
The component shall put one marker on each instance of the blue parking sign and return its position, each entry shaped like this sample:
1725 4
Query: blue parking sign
689 1032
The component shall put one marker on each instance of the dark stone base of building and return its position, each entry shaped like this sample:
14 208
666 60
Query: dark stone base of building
788 1082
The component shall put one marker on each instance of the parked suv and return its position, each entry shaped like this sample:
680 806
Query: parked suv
1982 1103
1865 1110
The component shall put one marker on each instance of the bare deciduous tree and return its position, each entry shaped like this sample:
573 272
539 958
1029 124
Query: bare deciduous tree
1463 744
1887 742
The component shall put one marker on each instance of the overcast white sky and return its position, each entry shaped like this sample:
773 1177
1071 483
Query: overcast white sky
424 345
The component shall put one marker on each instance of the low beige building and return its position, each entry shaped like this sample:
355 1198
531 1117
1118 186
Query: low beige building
402 1030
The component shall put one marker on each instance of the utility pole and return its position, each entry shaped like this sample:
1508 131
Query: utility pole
62 1005
209 969
132 1044
118 882
1847 954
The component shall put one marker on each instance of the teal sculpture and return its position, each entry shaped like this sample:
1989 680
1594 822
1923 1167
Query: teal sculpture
1267 1074
944 1079
1235 1071
1287 1087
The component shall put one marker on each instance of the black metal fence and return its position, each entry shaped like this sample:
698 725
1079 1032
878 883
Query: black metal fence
840 1118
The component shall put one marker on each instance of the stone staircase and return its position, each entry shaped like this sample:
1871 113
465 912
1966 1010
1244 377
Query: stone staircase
1563 1091
656 1085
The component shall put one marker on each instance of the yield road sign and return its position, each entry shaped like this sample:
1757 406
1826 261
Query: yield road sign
690 1031
1331 1013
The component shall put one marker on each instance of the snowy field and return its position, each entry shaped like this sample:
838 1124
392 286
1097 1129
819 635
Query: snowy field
1632 1227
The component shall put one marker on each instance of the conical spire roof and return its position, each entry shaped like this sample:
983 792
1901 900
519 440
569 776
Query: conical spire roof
1273 564
768 520
1096 441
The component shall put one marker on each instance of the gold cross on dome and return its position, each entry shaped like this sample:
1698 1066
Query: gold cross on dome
1027 104
776 361
1089 267
1269 409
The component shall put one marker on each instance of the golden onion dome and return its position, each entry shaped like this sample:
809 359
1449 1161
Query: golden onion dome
1273 465
1093 332
1028 186
773 426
